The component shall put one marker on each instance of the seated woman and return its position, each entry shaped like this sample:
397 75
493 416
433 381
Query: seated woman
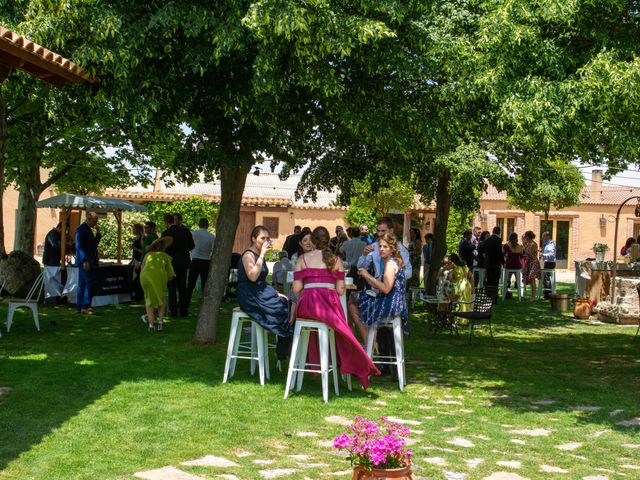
257 298
462 280
626 249
319 279
388 299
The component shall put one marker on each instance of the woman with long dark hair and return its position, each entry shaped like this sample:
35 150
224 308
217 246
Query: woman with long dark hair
319 279
531 271
259 299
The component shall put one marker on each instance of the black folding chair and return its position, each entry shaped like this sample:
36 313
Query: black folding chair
481 313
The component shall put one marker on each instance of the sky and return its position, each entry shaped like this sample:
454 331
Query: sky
626 178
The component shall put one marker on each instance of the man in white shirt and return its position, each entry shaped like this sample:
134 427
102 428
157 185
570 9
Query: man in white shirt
200 256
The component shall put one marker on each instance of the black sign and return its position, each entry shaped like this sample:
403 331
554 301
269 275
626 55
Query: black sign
112 279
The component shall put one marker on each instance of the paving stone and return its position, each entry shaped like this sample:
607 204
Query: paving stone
473 462
504 476
382 403
598 434
243 454
449 402
536 432
630 467
307 434
166 473
5 390
534 407
278 472
518 441
338 420
402 421
631 445
450 429
587 408
300 457
544 402
416 432
569 446
509 463
454 475
465 410
434 379
552 469
371 409
312 465
439 461
454 396
210 461
263 462
429 417
326 443
615 412
461 442
634 422
579 457
425 407
481 437
596 477
342 473
440 449
411 441
227 476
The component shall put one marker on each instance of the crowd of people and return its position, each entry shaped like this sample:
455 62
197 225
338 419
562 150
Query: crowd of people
379 269
483 250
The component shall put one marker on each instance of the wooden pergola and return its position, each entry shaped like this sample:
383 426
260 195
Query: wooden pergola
67 202
18 52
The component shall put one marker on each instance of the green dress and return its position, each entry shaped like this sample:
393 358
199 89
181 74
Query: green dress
156 272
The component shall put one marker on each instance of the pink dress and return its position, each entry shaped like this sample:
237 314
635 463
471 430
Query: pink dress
323 304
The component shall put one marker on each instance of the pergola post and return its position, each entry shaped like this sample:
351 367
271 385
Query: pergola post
63 246
118 215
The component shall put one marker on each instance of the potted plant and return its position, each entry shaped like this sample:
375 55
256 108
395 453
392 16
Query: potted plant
600 249
377 451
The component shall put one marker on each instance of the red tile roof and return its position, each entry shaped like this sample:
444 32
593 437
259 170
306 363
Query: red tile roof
611 194
17 51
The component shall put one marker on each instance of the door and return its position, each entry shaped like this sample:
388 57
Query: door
560 231
243 232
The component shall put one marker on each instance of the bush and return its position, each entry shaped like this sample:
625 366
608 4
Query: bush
192 210
108 246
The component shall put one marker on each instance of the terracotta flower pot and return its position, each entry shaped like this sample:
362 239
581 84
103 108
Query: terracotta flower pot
581 309
404 473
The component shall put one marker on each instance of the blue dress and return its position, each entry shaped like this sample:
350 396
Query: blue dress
383 308
261 301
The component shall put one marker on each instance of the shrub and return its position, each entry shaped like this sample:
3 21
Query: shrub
108 246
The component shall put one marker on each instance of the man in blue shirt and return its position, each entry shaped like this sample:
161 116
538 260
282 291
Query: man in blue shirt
86 261
549 259
427 250
364 234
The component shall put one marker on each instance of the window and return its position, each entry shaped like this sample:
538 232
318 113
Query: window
507 226
273 225
560 231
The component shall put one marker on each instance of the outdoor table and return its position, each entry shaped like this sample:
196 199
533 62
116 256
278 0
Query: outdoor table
444 314
113 284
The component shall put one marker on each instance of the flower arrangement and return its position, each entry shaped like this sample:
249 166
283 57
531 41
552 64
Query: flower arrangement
375 446
600 247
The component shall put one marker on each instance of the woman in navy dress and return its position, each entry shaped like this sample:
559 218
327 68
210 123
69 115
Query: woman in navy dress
259 299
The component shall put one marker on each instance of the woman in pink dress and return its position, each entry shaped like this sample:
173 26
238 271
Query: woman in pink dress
322 303
531 271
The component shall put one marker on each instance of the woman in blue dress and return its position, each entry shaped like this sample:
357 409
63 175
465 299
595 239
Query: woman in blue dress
259 299
387 298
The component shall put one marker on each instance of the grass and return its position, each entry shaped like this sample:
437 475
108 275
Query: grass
100 398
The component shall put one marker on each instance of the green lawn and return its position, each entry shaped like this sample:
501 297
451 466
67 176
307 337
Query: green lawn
100 398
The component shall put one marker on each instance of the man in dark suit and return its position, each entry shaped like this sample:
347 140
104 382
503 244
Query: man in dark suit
291 242
86 261
179 251
494 259
466 249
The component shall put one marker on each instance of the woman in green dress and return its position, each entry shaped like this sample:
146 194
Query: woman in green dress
463 281
156 272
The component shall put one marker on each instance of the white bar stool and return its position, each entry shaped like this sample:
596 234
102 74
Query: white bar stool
236 349
552 278
298 363
506 279
398 359
482 273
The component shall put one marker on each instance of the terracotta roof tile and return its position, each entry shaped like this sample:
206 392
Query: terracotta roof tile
17 51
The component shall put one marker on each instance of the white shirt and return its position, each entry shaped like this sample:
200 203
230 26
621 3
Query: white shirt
203 240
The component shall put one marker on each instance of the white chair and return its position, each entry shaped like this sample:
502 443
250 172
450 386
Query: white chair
236 349
30 302
298 363
482 273
552 277
398 358
506 280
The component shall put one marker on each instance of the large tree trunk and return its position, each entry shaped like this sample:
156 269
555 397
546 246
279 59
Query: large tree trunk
30 189
443 204
3 159
232 183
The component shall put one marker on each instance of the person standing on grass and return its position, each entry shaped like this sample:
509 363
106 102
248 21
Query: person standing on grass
549 260
87 261
179 251
156 272
531 271
150 236
493 259
200 257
